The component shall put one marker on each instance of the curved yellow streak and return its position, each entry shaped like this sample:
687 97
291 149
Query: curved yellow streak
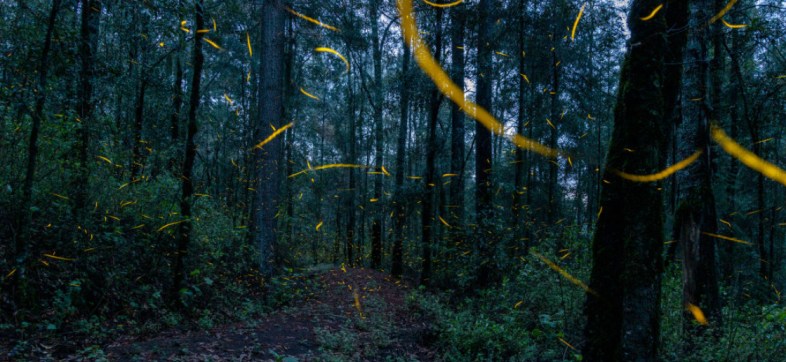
307 94
451 90
310 19
653 13
332 51
723 11
663 174
272 136
733 26
447 5
576 23
748 158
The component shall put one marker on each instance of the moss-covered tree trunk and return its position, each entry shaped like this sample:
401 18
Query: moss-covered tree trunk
623 319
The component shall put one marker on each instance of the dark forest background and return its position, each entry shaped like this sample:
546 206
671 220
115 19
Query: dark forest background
193 162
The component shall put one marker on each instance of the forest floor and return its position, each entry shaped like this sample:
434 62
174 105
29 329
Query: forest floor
354 314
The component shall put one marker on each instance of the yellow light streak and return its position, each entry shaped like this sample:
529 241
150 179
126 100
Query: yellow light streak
729 238
212 43
576 23
102 158
446 5
697 313
443 221
733 26
653 13
170 224
325 167
319 225
662 174
430 66
273 135
334 52
51 256
748 158
564 273
723 11
310 19
250 51
307 94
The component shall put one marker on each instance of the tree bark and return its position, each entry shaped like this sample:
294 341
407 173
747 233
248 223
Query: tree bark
187 183
696 214
88 46
623 318
457 164
484 208
377 222
23 240
401 148
427 213
267 159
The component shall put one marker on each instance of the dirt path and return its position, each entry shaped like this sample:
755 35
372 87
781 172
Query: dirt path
356 314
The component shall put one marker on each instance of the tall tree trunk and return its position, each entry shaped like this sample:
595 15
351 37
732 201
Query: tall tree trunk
623 318
187 183
553 185
401 149
519 157
427 213
267 167
24 239
88 46
456 192
349 194
696 214
484 208
377 222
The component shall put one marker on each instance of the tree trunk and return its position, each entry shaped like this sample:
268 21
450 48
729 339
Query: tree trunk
484 208
696 215
623 318
187 183
427 213
267 167
88 46
23 240
377 222
457 164
401 148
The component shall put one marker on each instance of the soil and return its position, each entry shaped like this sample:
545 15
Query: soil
355 314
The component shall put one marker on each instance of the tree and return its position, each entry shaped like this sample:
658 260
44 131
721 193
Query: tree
484 208
187 182
376 224
88 47
397 267
267 167
23 240
623 311
696 216
427 213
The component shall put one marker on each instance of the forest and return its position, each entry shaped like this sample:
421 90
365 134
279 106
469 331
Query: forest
392 180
